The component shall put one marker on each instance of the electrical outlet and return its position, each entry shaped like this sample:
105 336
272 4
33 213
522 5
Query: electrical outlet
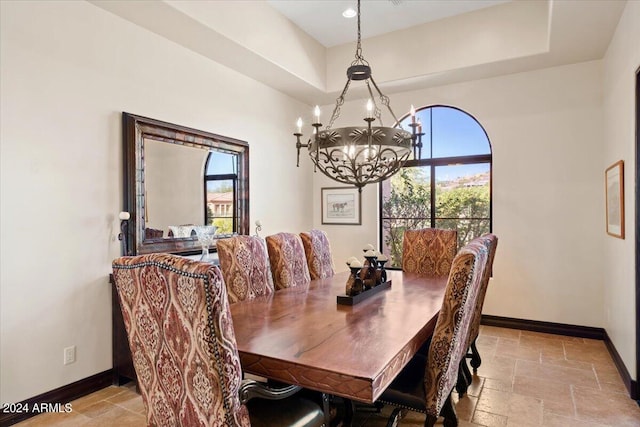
69 355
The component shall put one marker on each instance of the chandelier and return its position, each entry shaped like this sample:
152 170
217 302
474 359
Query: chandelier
364 154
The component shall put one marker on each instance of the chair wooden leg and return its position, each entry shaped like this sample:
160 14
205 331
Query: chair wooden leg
430 421
467 373
394 419
461 384
475 356
349 410
464 378
448 411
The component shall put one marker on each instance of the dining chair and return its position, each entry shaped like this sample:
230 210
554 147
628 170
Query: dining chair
288 262
429 251
490 242
180 330
152 233
426 383
245 267
318 254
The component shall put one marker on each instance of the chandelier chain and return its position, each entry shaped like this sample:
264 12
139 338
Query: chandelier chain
359 44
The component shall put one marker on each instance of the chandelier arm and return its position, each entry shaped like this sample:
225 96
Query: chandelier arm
339 102
385 100
376 110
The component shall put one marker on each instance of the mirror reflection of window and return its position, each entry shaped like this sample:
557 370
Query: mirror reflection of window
221 184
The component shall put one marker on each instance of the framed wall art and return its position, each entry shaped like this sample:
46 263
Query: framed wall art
341 205
614 192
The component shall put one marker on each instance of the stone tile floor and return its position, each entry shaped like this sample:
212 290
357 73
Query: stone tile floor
526 379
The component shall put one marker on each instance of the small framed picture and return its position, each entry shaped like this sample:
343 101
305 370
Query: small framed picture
341 205
614 192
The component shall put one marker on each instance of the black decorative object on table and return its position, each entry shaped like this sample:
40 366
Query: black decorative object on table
353 300
368 273
366 279
354 283
381 272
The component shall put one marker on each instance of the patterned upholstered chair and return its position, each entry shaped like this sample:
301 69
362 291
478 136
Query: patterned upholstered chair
288 262
318 253
152 233
429 251
425 384
245 267
490 242
180 330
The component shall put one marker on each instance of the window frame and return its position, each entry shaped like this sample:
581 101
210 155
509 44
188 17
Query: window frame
233 177
432 164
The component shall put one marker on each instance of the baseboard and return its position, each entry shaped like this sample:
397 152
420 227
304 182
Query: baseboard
545 327
630 383
57 398
571 331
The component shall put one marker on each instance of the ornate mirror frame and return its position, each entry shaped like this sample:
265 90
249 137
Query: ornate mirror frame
135 130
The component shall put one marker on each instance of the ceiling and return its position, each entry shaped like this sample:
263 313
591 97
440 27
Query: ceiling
323 20
303 47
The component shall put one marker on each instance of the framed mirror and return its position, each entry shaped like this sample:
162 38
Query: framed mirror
177 180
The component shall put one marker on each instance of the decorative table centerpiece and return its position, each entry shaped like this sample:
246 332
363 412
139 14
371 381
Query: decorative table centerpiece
366 279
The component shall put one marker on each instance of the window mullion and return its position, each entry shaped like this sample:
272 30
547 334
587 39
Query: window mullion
433 195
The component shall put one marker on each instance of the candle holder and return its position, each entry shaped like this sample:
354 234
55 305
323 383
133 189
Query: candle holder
369 276
368 273
381 273
416 139
354 283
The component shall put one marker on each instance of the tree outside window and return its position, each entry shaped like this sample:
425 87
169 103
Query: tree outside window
448 186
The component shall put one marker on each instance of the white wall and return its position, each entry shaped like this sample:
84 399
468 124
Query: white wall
620 65
546 133
68 71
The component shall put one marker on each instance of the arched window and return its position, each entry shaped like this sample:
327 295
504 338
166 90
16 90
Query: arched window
221 191
446 184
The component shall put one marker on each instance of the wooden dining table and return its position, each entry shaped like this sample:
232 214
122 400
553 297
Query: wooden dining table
300 335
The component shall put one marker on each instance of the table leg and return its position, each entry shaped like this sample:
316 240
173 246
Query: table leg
326 408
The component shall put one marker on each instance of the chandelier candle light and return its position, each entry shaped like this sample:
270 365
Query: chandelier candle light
360 155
